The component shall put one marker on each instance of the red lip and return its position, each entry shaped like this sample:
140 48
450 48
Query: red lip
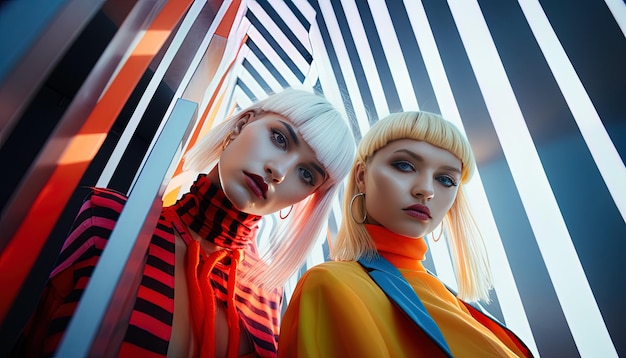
256 184
418 211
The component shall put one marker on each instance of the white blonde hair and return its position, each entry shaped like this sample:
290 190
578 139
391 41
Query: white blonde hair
326 131
469 254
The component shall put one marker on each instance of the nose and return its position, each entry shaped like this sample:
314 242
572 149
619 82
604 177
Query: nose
276 170
423 186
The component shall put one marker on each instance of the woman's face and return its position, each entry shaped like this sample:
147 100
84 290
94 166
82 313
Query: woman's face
268 166
409 186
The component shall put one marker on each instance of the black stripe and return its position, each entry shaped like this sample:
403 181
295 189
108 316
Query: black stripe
420 80
286 30
353 54
258 311
376 48
164 243
298 14
267 63
156 285
138 146
268 346
145 340
334 62
597 51
517 236
246 90
555 131
257 76
152 310
261 299
275 45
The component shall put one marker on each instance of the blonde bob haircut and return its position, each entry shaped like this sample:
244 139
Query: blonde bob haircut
326 131
468 251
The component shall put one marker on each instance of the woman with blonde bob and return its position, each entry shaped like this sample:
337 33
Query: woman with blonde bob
206 289
376 299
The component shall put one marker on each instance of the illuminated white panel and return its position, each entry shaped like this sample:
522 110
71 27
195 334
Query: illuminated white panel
618 8
504 283
279 36
263 72
572 288
273 57
334 31
365 55
394 55
600 145
156 79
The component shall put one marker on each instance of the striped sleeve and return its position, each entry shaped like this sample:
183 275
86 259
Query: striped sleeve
75 264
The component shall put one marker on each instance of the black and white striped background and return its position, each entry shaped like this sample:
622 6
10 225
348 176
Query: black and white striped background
539 87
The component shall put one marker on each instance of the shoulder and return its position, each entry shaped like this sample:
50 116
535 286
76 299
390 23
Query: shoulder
101 203
333 273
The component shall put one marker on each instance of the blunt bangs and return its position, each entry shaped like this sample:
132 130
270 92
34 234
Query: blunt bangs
421 126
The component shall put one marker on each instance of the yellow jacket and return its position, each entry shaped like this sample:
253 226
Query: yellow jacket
337 310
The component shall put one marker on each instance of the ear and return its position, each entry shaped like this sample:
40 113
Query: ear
243 120
360 170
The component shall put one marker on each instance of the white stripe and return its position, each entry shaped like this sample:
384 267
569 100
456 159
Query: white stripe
233 53
263 72
278 35
504 283
364 51
393 53
360 112
325 71
305 8
251 83
146 97
600 145
618 8
292 21
191 69
273 57
440 253
241 98
571 286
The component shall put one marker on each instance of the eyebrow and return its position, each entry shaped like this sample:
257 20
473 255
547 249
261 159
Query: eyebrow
292 133
294 137
319 169
421 159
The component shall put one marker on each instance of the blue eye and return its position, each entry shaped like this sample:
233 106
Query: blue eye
307 176
403 166
447 181
279 139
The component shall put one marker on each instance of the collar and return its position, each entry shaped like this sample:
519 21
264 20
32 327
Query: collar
402 251
206 210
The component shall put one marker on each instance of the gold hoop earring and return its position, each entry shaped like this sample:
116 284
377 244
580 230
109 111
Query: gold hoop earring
280 213
352 212
440 233
226 142
229 138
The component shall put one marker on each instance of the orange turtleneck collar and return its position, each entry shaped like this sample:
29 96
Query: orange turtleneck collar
402 251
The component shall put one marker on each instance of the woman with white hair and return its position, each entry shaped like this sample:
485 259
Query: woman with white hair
205 290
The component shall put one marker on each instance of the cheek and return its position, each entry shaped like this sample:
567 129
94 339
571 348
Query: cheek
444 205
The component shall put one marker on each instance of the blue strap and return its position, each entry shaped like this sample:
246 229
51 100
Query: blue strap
390 280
